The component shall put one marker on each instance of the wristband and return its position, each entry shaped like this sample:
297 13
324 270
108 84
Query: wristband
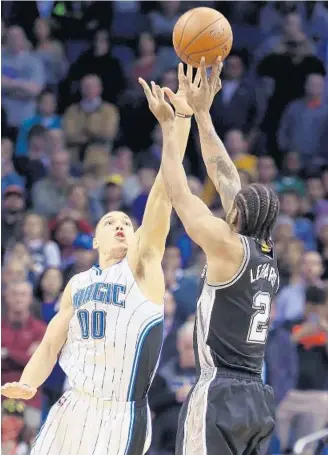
177 114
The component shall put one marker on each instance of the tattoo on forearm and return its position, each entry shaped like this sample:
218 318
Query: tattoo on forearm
227 179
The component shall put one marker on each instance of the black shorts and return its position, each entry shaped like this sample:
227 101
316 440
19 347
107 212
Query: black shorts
226 413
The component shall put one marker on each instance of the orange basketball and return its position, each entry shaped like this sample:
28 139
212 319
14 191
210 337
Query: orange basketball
202 32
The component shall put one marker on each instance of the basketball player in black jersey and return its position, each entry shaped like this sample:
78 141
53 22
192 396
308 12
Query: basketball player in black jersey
229 410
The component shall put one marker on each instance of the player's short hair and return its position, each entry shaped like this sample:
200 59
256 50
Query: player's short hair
258 209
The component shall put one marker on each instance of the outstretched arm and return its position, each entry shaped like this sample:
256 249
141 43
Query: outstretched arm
220 167
204 229
45 357
156 220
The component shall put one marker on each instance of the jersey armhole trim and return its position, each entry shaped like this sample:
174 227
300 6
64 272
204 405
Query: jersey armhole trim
239 272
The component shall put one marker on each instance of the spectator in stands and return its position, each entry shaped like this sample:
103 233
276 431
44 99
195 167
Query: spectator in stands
21 333
152 157
16 436
37 144
163 21
146 63
235 106
303 124
291 27
281 359
290 205
34 165
22 78
13 206
44 253
113 194
65 233
100 60
171 387
91 120
291 299
19 252
309 397
77 209
322 231
237 148
9 175
48 293
288 68
184 289
84 257
49 195
123 165
315 190
50 52
147 177
56 140
46 117
267 171
12 272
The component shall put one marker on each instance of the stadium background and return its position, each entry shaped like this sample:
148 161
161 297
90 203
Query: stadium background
78 140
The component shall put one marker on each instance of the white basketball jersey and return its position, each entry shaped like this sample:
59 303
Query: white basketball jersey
115 336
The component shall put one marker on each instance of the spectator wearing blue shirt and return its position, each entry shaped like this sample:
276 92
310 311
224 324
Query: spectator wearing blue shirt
303 227
9 175
22 78
291 298
45 117
49 293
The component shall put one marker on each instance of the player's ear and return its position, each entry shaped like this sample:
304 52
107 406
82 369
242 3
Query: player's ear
95 244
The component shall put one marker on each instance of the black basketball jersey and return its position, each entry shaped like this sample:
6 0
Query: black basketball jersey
233 317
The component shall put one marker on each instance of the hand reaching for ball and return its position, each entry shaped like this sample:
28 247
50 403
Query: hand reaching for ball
200 93
156 102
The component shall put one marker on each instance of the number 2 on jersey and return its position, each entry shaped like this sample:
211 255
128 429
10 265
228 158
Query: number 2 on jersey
97 323
259 325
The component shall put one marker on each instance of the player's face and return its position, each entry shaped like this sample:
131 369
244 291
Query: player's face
114 232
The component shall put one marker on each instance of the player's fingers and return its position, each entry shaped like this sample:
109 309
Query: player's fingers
181 74
169 93
214 74
159 93
153 89
189 73
203 74
146 89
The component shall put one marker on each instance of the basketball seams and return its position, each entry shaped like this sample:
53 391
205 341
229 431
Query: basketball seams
212 48
201 32
183 29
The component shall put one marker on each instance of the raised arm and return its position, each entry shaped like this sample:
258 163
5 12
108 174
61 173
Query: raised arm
206 230
45 357
156 220
219 165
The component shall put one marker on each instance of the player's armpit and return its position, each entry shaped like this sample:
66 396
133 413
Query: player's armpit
45 357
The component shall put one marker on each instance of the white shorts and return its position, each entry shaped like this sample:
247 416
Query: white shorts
79 424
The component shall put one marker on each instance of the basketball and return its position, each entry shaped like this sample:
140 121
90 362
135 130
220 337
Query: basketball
202 32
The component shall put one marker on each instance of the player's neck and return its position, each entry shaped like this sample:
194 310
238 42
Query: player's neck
107 261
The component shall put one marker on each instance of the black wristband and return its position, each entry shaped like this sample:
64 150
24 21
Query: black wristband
177 114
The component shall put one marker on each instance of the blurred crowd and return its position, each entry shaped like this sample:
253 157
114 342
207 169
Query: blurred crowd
78 140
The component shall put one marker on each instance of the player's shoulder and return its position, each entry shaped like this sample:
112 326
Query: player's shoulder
81 279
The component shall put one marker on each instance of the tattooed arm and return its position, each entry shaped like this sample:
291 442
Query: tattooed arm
204 229
219 165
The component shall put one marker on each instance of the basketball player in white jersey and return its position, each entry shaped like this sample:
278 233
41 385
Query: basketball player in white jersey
108 331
